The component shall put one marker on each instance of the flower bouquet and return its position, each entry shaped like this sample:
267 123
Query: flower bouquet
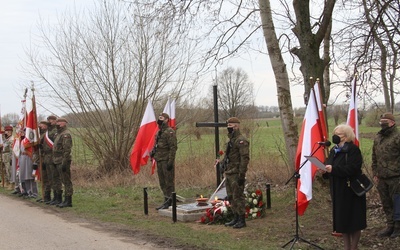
219 213
255 207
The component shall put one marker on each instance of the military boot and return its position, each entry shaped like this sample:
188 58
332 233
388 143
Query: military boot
396 230
166 204
58 198
54 198
241 222
386 232
67 202
233 222
47 196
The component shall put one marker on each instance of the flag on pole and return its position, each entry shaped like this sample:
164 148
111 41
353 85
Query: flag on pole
144 140
321 111
172 122
170 110
352 115
309 136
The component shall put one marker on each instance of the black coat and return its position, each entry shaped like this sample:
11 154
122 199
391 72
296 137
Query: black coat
349 210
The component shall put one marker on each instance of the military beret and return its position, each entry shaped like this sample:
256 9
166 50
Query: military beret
44 122
165 115
388 116
8 128
233 120
52 117
61 119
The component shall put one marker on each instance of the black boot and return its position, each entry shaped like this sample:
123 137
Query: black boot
233 222
67 202
58 199
54 198
386 232
241 222
165 205
47 196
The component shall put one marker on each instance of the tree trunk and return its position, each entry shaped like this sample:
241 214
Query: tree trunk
290 129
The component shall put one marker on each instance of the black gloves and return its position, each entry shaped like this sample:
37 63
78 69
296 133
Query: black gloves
170 166
241 180
35 166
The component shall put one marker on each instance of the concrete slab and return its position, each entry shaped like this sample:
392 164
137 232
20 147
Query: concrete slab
186 212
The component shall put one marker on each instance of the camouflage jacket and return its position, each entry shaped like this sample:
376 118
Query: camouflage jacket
62 147
238 154
166 144
386 153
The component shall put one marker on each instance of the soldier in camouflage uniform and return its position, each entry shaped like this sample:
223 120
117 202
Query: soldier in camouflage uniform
235 172
49 138
62 159
6 155
46 153
386 170
164 153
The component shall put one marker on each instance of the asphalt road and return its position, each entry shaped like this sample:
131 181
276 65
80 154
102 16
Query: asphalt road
24 225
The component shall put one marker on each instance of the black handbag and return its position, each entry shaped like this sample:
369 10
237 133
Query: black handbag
361 184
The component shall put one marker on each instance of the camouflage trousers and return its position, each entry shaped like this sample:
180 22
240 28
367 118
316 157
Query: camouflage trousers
235 194
166 178
6 168
388 189
65 177
47 176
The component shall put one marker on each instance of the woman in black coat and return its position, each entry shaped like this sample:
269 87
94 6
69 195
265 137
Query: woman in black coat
343 164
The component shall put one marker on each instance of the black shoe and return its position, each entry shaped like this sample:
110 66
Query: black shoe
396 233
241 222
233 222
165 205
16 192
386 232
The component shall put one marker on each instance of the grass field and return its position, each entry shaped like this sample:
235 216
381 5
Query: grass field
117 201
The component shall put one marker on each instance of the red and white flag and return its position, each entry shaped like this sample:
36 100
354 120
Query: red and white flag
308 142
321 112
144 140
352 116
172 122
170 110
32 132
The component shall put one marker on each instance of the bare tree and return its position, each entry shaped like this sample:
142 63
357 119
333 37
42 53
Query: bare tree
235 92
103 67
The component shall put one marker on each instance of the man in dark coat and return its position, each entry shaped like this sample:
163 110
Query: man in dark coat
386 170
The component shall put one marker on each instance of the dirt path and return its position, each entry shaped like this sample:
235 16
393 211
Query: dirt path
26 226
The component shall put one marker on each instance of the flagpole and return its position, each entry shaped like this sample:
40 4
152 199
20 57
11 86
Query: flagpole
297 176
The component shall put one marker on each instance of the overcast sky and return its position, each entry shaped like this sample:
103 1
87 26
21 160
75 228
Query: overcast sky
18 20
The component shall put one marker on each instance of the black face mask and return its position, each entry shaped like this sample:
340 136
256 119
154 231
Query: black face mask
160 122
335 139
384 125
230 130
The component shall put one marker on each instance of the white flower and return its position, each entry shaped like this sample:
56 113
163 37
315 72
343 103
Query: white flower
250 200
253 194
255 210
224 209
254 215
255 201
